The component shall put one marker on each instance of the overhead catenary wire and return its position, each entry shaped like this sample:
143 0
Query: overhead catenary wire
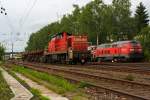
10 25
27 14
24 12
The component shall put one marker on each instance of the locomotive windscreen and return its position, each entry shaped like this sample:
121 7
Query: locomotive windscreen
135 43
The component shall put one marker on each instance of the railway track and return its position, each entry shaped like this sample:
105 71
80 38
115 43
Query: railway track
131 90
139 68
137 64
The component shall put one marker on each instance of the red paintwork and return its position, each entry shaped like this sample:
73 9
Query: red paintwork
78 43
62 42
58 43
122 48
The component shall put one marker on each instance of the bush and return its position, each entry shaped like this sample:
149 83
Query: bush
2 51
144 38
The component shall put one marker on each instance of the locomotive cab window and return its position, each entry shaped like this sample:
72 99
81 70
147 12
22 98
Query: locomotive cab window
114 45
60 36
134 43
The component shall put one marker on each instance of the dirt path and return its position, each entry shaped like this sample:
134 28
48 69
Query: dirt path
44 91
20 92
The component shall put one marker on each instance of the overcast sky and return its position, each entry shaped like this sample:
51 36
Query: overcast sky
27 16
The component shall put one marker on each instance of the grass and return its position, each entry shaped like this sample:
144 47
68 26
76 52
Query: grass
1 62
84 84
5 91
55 83
36 93
79 98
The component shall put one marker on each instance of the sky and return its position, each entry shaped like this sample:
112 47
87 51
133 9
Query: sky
27 16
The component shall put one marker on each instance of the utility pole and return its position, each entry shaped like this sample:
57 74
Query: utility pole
97 40
3 11
12 50
97 26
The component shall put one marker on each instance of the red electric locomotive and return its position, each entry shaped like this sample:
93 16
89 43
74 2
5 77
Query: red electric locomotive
63 47
118 51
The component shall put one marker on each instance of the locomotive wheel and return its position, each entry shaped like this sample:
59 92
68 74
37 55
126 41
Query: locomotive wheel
99 59
114 60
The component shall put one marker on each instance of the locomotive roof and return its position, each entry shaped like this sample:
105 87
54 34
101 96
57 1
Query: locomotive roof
60 34
129 41
118 43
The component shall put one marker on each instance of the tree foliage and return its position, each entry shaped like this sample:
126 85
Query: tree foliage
144 38
141 17
111 22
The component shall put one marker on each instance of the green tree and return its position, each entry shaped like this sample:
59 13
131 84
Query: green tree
65 23
96 18
2 51
70 23
87 22
141 17
122 20
38 40
144 38
92 21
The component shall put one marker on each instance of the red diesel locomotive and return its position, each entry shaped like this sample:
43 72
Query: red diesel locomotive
63 47
118 51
